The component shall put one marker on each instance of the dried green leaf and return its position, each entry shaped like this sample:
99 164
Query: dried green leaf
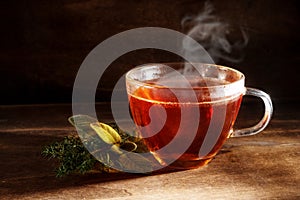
116 149
82 121
134 162
106 133
82 124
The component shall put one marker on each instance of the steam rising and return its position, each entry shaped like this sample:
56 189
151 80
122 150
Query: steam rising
213 34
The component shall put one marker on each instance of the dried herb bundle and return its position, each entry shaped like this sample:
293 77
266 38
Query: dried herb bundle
97 140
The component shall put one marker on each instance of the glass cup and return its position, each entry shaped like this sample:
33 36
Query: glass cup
185 112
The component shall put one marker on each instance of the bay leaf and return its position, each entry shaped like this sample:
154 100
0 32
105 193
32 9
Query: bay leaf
136 163
82 121
116 149
106 133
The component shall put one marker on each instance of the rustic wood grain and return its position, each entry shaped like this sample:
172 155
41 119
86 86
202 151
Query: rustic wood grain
265 166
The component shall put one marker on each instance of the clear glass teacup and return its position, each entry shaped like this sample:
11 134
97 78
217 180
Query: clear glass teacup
185 112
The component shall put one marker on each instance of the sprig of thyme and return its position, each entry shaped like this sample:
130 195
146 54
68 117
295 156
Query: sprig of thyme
72 156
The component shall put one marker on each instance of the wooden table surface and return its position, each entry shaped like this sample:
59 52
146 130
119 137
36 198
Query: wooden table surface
265 166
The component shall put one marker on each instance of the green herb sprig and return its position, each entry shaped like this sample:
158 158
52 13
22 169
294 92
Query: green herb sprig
72 156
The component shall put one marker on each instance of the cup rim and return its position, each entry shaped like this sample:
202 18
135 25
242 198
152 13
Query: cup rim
152 65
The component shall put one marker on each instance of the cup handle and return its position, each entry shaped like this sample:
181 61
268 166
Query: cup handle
264 121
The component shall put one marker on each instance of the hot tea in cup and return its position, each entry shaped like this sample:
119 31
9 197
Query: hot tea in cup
185 112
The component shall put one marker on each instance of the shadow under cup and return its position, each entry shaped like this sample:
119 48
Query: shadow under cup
184 112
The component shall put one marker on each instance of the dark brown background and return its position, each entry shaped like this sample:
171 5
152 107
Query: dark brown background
43 43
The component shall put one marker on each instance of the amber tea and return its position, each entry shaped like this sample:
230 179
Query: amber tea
158 96
144 98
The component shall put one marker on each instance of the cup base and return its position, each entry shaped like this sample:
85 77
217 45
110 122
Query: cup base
189 164
184 162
